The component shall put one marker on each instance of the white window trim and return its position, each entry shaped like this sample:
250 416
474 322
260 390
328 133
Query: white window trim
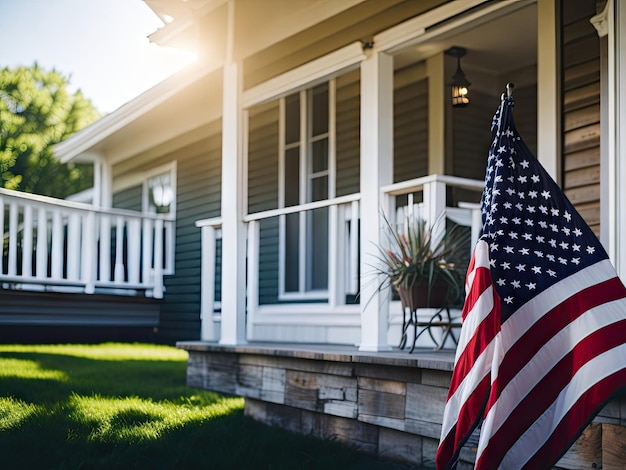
306 76
304 187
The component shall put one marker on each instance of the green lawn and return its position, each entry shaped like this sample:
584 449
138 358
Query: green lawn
127 406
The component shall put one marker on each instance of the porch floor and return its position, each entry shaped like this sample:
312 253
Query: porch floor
424 358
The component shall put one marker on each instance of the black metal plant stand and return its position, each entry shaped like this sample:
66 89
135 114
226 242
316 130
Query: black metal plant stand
440 319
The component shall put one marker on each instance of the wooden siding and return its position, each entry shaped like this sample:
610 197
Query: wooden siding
263 157
580 83
268 266
359 23
263 191
469 142
28 316
198 194
348 133
410 129
129 198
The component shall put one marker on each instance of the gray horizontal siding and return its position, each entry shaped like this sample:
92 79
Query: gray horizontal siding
129 198
348 112
198 194
263 158
66 309
410 130
198 197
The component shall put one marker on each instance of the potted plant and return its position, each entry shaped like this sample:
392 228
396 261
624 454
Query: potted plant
423 263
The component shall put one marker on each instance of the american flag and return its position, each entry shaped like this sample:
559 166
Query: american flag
543 342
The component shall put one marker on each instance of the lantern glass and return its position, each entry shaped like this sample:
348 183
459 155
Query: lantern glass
460 96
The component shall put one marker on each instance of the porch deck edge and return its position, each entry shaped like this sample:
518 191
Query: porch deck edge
422 358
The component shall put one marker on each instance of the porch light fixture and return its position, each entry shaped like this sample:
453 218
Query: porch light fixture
460 84
162 194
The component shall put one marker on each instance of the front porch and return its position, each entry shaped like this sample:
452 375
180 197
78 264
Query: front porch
349 303
388 403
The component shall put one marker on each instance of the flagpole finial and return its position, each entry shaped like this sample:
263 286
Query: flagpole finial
509 89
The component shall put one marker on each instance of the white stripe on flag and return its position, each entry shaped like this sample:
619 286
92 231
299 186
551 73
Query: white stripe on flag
587 376
554 350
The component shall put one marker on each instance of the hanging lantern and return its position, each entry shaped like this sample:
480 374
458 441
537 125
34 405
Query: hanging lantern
460 84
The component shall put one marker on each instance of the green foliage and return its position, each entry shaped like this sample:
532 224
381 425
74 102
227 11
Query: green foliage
127 406
415 255
36 112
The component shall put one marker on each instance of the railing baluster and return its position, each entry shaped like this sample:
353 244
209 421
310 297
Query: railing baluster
335 278
253 274
89 252
27 242
133 252
207 283
104 273
119 251
73 246
354 247
57 245
158 259
146 253
13 213
2 233
42 244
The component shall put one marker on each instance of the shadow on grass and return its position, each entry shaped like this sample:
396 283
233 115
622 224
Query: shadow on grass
69 412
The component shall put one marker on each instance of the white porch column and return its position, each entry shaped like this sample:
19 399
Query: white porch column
611 27
233 201
376 171
547 89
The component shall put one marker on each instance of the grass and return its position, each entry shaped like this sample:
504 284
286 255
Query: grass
119 406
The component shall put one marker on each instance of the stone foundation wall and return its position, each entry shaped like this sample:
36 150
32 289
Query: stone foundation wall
388 404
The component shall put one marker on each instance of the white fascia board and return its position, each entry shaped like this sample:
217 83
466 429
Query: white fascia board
167 33
307 75
184 21
86 139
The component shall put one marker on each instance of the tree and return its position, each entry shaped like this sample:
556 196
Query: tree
36 112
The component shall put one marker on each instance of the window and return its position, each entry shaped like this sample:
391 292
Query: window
159 197
306 120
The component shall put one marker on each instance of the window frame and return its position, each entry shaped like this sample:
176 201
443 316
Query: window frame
305 180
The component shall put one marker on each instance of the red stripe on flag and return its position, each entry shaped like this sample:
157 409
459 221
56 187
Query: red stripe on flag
463 411
549 325
467 416
484 332
545 393
578 415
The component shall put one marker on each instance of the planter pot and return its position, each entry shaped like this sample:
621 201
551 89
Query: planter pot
417 296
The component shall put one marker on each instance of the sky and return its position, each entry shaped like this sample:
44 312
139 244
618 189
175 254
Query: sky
101 45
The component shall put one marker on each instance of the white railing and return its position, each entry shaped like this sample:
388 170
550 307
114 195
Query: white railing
434 203
343 258
427 199
209 307
52 244
425 195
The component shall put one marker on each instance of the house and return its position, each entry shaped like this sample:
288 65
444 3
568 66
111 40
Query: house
244 192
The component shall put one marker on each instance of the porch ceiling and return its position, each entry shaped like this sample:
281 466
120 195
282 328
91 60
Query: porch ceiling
495 46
